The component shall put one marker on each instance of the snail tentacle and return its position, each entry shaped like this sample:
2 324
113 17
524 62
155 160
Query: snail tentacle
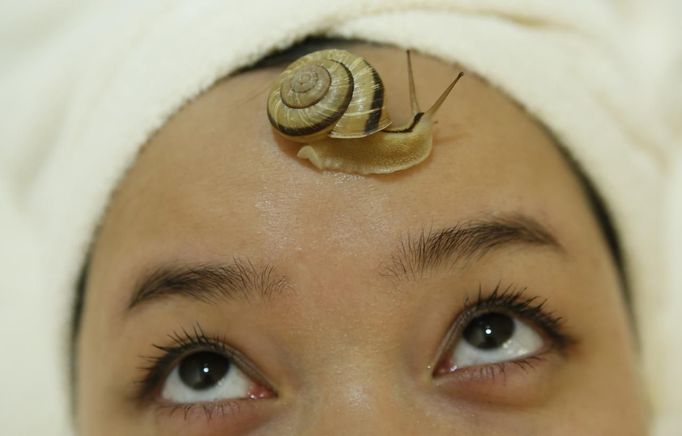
413 91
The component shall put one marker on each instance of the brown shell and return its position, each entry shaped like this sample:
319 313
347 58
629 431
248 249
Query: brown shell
328 93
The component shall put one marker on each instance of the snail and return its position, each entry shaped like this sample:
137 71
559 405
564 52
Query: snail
333 102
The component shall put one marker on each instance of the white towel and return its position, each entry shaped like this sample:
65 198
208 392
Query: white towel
84 84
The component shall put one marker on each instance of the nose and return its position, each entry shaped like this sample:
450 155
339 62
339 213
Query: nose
361 406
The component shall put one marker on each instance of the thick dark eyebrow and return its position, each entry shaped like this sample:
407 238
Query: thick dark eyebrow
208 283
433 248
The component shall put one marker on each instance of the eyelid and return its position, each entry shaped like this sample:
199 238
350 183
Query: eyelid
185 344
511 301
226 409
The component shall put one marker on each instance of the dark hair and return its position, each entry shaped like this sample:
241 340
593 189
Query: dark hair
312 44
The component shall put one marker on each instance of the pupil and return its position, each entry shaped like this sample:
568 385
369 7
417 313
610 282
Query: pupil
489 331
203 370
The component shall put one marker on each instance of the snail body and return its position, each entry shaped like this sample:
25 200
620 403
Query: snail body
334 102
383 152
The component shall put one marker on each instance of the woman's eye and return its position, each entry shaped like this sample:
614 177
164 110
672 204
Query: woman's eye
494 337
204 377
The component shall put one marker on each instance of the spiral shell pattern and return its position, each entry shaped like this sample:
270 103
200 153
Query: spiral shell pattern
328 93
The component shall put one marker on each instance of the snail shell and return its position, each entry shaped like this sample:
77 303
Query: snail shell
329 93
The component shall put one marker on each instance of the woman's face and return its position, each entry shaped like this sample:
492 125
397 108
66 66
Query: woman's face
234 289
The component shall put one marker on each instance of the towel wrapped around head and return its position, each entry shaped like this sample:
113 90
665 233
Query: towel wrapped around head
85 87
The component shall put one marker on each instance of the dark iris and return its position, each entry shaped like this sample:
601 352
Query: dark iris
203 370
489 330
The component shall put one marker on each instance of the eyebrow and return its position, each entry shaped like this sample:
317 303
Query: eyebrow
240 279
469 240
415 256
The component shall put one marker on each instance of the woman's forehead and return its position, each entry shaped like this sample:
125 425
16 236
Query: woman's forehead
217 177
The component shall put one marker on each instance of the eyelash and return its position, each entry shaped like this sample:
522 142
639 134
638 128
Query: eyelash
185 343
510 300
513 301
